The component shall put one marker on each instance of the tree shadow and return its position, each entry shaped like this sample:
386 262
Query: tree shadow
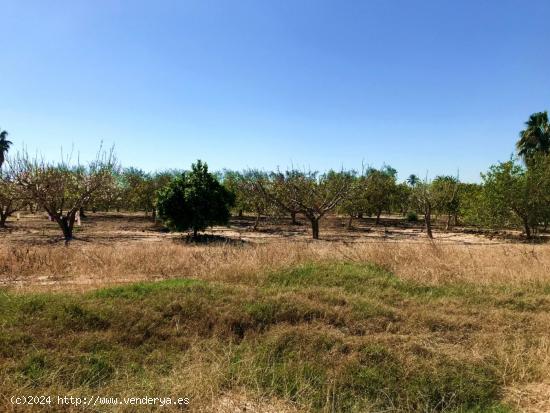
209 239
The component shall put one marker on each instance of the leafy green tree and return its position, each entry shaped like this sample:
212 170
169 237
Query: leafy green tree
380 188
232 180
446 197
412 180
516 195
195 200
4 146
134 190
154 185
535 138
355 203
472 208
400 199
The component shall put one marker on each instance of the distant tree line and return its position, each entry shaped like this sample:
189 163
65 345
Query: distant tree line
512 194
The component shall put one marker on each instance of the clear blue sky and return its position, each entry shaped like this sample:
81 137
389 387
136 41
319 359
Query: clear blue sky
425 86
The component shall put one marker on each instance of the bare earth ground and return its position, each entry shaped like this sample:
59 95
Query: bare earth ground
119 248
113 248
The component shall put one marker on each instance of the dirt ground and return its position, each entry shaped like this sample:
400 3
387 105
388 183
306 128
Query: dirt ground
130 228
115 248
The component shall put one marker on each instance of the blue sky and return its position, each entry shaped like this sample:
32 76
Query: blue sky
429 87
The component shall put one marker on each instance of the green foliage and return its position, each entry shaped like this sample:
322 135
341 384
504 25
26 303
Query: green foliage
355 203
535 138
446 196
5 145
380 188
471 208
400 198
248 194
412 216
195 200
515 195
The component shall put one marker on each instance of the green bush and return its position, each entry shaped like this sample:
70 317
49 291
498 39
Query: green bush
195 200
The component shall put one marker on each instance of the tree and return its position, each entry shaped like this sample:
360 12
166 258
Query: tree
471 206
248 195
412 180
446 198
157 182
4 146
62 189
515 195
423 198
355 203
232 180
314 195
380 188
535 138
254 198
279 191
400 199
134 190
12 198
195 200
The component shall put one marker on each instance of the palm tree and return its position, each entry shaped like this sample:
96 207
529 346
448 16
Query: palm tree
4 146
412 180
535 138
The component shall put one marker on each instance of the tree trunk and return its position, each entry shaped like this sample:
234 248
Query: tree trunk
428 221
240 213
82 214
195 231
360 215
66 224
293 217
3 218
528 234
350 221
315 227
257 221
154 214
378 213
448 224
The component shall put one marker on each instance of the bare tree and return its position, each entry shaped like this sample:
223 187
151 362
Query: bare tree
12 197
62 189
279 189
308 193
424 198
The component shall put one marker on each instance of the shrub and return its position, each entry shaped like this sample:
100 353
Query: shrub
195 200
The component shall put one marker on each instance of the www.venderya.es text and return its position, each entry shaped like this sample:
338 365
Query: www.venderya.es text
97 400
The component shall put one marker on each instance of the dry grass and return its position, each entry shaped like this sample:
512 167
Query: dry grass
445 304
83 264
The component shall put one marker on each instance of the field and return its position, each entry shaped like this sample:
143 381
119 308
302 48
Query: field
376 319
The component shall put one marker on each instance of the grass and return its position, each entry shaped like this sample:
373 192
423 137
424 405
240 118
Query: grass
92 265
330 336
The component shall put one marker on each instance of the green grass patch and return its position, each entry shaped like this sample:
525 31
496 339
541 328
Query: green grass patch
339 337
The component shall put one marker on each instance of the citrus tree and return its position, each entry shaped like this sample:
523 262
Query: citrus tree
195 200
